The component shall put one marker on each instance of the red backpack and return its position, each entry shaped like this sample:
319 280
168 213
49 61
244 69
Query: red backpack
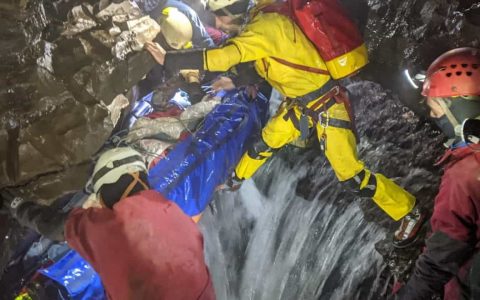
328 26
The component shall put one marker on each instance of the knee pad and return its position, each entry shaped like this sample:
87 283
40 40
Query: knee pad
260 150
354 185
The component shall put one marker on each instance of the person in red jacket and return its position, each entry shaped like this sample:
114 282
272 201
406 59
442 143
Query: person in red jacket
452 88
141 245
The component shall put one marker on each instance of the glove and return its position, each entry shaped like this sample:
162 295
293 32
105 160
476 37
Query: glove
234 183
195 91
10 201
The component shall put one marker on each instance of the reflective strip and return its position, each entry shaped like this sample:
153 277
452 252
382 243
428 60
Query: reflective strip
369 190
260 150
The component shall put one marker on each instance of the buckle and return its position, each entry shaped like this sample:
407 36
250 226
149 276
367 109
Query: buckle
336 89
323 119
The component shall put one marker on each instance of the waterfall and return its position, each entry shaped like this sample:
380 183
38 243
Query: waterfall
266 241
280 246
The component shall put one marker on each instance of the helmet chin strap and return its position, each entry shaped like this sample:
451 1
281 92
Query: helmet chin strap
456 125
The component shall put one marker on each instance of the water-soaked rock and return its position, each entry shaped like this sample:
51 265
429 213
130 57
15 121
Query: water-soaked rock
57 86
411 34
57 78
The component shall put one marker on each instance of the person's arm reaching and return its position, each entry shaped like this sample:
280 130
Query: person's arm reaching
251 44
240 76
245 74
43 219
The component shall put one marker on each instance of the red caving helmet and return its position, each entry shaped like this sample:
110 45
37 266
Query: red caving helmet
454 73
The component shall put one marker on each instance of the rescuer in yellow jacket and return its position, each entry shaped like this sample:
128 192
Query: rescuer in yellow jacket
284 57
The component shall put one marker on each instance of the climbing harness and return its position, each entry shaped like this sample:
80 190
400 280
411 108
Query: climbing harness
329 94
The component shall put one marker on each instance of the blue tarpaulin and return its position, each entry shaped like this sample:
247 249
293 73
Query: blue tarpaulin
77 276
197 165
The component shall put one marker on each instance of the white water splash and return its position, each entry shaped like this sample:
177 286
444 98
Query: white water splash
284 247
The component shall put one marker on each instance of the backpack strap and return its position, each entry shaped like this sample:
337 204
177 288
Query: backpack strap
301 67
279 8
286 9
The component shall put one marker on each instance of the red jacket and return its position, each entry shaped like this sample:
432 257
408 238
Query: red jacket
145 248
455 231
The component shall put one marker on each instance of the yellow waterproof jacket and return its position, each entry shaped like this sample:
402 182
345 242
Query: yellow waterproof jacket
266 36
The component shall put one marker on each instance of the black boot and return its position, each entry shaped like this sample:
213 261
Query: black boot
411 224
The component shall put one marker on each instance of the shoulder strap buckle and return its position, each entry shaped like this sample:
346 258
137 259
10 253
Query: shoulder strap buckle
323 119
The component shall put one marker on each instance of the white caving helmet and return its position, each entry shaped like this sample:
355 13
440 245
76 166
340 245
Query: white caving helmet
215 5
176 28
114 163
229 7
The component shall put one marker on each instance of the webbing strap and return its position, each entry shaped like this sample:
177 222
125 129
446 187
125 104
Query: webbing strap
338 123
335 95
290 115
326 100
301 67
327 87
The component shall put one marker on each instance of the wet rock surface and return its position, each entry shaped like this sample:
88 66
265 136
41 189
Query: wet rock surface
58 69
64 63
58 74
411 34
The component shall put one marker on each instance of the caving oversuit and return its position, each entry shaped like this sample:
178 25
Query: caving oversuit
132 246
447 259
289 62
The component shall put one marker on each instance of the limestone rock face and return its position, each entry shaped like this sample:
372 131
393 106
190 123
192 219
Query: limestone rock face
64 62
410 35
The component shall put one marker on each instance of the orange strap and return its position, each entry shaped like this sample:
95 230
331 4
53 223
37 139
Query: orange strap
286 10
339 94
136 179
301 67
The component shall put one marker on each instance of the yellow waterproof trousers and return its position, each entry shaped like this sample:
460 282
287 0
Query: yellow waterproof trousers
341 152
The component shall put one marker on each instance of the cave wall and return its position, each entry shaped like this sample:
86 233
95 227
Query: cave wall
44 128
53 93
410 34
55 89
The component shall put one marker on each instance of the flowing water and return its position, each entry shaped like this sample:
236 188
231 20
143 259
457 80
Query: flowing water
280 246
267 242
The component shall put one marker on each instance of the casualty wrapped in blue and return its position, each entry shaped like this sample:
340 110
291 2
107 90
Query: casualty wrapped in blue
197 165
